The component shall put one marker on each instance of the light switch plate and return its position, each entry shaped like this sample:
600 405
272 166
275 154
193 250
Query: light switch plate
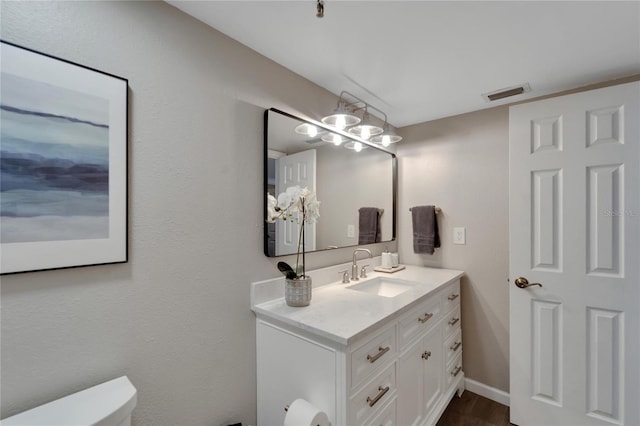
459 236
351 231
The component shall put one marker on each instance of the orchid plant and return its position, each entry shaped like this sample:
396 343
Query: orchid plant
295 204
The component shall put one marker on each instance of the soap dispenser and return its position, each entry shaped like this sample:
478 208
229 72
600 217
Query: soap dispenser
387 261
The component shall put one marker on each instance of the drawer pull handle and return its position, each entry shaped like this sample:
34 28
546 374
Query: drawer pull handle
381 351
453 297
455 346
457 370
382 391
454 320
426 355
425 318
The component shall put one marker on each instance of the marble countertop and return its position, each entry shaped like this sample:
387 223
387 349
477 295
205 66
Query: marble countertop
341 314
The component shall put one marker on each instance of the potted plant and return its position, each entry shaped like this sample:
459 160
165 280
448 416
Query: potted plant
298 205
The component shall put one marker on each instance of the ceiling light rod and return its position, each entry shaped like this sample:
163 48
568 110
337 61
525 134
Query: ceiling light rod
353 106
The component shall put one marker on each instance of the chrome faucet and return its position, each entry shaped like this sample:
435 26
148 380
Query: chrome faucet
354 267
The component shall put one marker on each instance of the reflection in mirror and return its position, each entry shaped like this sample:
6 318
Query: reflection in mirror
355 184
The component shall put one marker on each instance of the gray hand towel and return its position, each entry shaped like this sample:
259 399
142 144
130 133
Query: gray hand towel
368 225
425 229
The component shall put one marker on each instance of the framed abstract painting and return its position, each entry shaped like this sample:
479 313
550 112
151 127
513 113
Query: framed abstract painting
63 163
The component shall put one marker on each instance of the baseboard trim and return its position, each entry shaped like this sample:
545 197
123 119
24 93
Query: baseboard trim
492 393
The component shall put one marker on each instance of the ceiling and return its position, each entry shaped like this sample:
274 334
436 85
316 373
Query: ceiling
423 60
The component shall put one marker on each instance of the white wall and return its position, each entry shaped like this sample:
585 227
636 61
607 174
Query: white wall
176 318
460 164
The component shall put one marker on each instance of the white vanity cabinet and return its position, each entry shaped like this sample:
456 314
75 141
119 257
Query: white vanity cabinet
401 371
420 373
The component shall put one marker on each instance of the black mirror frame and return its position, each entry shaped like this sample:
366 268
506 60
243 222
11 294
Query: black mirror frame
265 177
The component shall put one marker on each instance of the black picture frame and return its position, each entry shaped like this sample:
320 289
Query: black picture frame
64 163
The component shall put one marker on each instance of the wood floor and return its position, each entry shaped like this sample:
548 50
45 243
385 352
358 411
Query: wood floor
474 410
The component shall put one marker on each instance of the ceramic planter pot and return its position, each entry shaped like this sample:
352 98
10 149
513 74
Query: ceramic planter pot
297 291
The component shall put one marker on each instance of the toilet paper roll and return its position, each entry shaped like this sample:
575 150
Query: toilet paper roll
303 413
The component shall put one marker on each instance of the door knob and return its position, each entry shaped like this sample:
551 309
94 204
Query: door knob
522 282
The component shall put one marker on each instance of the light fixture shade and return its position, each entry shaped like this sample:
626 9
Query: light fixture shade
341 118
355 145
366 128
387 137
308 129
334 138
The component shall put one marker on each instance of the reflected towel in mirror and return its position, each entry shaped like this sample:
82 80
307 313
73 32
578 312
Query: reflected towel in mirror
369 225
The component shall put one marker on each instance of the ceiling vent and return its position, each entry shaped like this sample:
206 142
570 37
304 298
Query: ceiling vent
506 92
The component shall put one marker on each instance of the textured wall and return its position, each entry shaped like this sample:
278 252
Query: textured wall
461 165
176 318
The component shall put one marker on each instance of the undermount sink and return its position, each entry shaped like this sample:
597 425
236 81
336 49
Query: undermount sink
383 286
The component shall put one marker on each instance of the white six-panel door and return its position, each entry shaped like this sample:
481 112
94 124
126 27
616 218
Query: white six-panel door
574 212
295 169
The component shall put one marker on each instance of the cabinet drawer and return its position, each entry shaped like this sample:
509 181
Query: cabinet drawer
418 321
452 322
372 356
387 416
451 297
454 371
370 400
453 346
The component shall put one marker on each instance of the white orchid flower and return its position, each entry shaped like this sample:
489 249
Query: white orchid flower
272 213
295 203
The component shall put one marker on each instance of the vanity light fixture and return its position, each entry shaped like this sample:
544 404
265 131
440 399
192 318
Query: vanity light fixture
341 117
387 137
366 128
344 117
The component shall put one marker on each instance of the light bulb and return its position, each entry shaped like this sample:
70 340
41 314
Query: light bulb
313 131
337 139
357 147
340 122
386 140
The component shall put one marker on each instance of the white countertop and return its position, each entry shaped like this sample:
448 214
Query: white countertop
341 314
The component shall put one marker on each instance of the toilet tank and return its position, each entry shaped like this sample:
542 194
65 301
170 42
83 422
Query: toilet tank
109 403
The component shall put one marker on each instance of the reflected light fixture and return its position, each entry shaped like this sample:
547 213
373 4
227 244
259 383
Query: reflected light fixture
307 129
334 138
355 145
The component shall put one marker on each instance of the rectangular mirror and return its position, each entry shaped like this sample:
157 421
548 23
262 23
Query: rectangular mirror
349 183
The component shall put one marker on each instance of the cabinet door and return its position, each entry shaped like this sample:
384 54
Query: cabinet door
291 367
432 367
410 386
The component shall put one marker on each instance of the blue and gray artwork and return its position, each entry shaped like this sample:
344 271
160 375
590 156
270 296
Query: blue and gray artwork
54 163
